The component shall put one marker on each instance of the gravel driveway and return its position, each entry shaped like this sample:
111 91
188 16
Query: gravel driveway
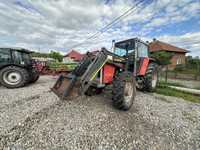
34 118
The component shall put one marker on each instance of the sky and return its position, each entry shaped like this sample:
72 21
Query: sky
44 25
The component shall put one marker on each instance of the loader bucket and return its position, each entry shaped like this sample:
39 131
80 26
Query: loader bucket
66 87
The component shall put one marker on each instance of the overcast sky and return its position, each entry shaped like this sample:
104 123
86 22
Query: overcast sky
61 24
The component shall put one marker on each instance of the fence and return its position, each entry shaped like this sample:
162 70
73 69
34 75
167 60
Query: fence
178 75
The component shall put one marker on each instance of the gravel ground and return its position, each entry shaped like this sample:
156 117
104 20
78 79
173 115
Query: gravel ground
34 118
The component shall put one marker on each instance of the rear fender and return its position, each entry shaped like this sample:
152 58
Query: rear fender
143 65
7 65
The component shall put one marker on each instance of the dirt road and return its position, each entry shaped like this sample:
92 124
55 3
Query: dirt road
34 118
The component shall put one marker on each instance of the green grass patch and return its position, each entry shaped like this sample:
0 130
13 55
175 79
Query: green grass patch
171 84
177 84
165 90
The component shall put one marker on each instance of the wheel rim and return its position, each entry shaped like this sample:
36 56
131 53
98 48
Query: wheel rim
12 78
128 92
154 79
139 84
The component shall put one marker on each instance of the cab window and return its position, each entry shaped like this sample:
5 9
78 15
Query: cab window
142 50
18 57
5 55
120 52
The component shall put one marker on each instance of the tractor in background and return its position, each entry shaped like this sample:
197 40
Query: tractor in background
17 69
126 67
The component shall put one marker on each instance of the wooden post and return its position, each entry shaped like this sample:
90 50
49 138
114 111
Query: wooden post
166 73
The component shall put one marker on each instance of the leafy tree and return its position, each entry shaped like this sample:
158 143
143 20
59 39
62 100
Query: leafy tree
56 56
163 58
192 63
37 54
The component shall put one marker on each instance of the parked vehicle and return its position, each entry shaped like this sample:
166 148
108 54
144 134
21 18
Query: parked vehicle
126 68
16 68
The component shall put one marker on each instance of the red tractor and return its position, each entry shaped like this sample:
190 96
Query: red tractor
126 68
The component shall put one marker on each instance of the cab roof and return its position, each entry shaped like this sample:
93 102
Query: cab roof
129 43
17 49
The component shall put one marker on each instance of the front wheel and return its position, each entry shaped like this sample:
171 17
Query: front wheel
124 90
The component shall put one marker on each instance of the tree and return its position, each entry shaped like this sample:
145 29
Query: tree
163 59
56 56
37 54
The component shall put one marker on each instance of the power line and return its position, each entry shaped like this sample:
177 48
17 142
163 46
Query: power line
108 26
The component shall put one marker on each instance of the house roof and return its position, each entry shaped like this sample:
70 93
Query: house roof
161 46
74 55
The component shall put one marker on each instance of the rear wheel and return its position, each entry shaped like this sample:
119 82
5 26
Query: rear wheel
149 81
151 78
124 91
14 77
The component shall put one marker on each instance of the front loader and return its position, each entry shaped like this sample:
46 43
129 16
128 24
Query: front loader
126 68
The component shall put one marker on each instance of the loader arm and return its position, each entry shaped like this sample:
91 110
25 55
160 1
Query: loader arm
83 75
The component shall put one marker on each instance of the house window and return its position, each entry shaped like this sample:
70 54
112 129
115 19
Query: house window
178 61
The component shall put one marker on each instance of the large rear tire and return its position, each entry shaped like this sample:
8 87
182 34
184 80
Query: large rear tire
124 91
149 81
14 77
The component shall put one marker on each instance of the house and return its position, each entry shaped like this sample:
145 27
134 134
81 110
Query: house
178 57
72 56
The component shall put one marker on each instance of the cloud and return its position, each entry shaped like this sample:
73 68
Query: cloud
60 24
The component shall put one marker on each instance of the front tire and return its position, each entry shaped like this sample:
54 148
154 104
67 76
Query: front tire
124 91
14 77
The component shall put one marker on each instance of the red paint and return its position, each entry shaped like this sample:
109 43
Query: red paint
108 73
143 66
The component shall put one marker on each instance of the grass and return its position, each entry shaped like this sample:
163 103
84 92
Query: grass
177 84
165 90
171 84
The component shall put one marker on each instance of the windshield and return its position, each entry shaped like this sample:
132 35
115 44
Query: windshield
122 47
120 51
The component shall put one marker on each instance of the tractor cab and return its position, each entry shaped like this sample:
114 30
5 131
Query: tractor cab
15 56
134 51
129 47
